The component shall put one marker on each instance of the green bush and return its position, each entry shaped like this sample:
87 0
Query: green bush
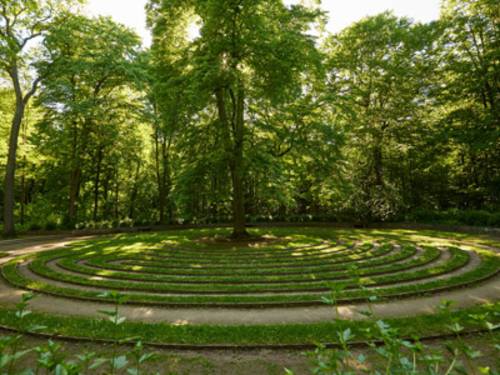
456 217
41 214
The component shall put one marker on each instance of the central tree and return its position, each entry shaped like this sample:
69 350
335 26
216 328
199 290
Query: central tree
248 51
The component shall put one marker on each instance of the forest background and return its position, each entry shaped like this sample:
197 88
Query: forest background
262 116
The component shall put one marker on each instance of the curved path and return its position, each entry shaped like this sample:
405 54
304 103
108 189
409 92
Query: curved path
485 292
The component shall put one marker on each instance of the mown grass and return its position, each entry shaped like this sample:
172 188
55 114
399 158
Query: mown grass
489 266
422 325
416 326
368 268
459 259
284 238
259 271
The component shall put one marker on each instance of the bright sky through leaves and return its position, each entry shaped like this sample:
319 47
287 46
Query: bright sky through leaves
342 12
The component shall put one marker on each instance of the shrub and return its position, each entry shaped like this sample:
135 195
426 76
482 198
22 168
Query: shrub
50 225
456 217
126 223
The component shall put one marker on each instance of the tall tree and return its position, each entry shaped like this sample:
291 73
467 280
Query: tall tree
380 70
21 22
88 64
470 98
246 49
166 100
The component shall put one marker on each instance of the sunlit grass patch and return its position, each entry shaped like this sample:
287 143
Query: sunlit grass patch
298 266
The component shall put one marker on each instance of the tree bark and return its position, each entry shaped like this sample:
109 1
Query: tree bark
10 171
377 165
97 182
74 179
167 181
134 192
23 192
237 177
117 194
160 174
233 140
74 192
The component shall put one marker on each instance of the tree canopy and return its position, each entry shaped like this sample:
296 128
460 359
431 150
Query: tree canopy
244 111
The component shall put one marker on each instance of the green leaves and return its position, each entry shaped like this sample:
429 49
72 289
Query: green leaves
7 360
455 327
119 363
99 362
346 336
22 307
328 300
257 54
113 316
117 297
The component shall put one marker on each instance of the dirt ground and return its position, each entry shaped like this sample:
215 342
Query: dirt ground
255 362
189 362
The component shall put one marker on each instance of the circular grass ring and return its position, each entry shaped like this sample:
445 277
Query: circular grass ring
272 275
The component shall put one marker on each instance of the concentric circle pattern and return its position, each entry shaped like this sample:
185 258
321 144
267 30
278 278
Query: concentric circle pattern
162 271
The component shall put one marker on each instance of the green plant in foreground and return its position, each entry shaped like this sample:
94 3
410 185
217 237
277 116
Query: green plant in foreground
332 300
9 346
388 353
391 354
51 359
119 362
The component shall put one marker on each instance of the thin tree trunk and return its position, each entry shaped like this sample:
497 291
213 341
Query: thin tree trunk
133 194
96 183
74 179
117 194
74 192
239 229
160 176
167 181
24 199
105 192
8 213
377 165
23 192
165 178
10 170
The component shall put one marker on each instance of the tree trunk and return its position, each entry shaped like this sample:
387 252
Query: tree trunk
134 192
377 165
74 192
8 213
167 183
23 193
237 177
235 151
117 194
10 170
74 178
96 183
160 180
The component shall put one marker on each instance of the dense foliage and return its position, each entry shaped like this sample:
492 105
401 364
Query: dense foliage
248 110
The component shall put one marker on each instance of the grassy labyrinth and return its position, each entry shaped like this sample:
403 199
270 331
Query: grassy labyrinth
294 267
